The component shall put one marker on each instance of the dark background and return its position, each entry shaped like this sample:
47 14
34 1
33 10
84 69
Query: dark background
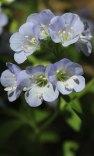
63 131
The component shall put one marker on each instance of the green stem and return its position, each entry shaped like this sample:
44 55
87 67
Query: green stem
34 127
51 118
32 59
49 121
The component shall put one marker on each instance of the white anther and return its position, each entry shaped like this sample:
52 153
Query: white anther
57 71
71 28
69 33
86 37
25 88
44 78
64 32
10 89
26 36
32 76
41 76
13 75
33 40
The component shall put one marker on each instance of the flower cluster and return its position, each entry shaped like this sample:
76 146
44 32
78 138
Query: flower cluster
3 20
66 29
46 83
43 83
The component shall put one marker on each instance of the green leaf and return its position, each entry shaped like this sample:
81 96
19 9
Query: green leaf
13 113
25 117
13 26
49 137
70 148
39 115
37 61
62 103
73 120
74 109
76 106
91 89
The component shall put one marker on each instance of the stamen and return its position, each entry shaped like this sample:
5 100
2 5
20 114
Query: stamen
65 35
13 75
44 30
86 37
29 43
41 81
25 88
10 89
61 75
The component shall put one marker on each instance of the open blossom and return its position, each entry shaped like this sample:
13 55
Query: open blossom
42 20
84 42
43 83
14 80
66 76
3 20
39 88
9 79
66 29
24 42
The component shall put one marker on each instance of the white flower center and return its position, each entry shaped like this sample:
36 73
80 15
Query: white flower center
65 35
69 84
44 32
41 81
29 43
61 75
14 84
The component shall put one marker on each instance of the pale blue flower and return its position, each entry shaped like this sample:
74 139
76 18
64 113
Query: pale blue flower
84 42
66 76
13 80
42 20
39 88
24 42
66 29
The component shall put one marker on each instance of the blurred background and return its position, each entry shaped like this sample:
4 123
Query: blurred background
67 130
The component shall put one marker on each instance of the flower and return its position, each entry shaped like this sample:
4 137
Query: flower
11 81
39 88
66 29
42 20
3 20
84 42
66 76
24 42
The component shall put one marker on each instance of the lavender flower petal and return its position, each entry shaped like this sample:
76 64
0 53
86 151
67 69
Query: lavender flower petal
66 29
49 93
34 97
